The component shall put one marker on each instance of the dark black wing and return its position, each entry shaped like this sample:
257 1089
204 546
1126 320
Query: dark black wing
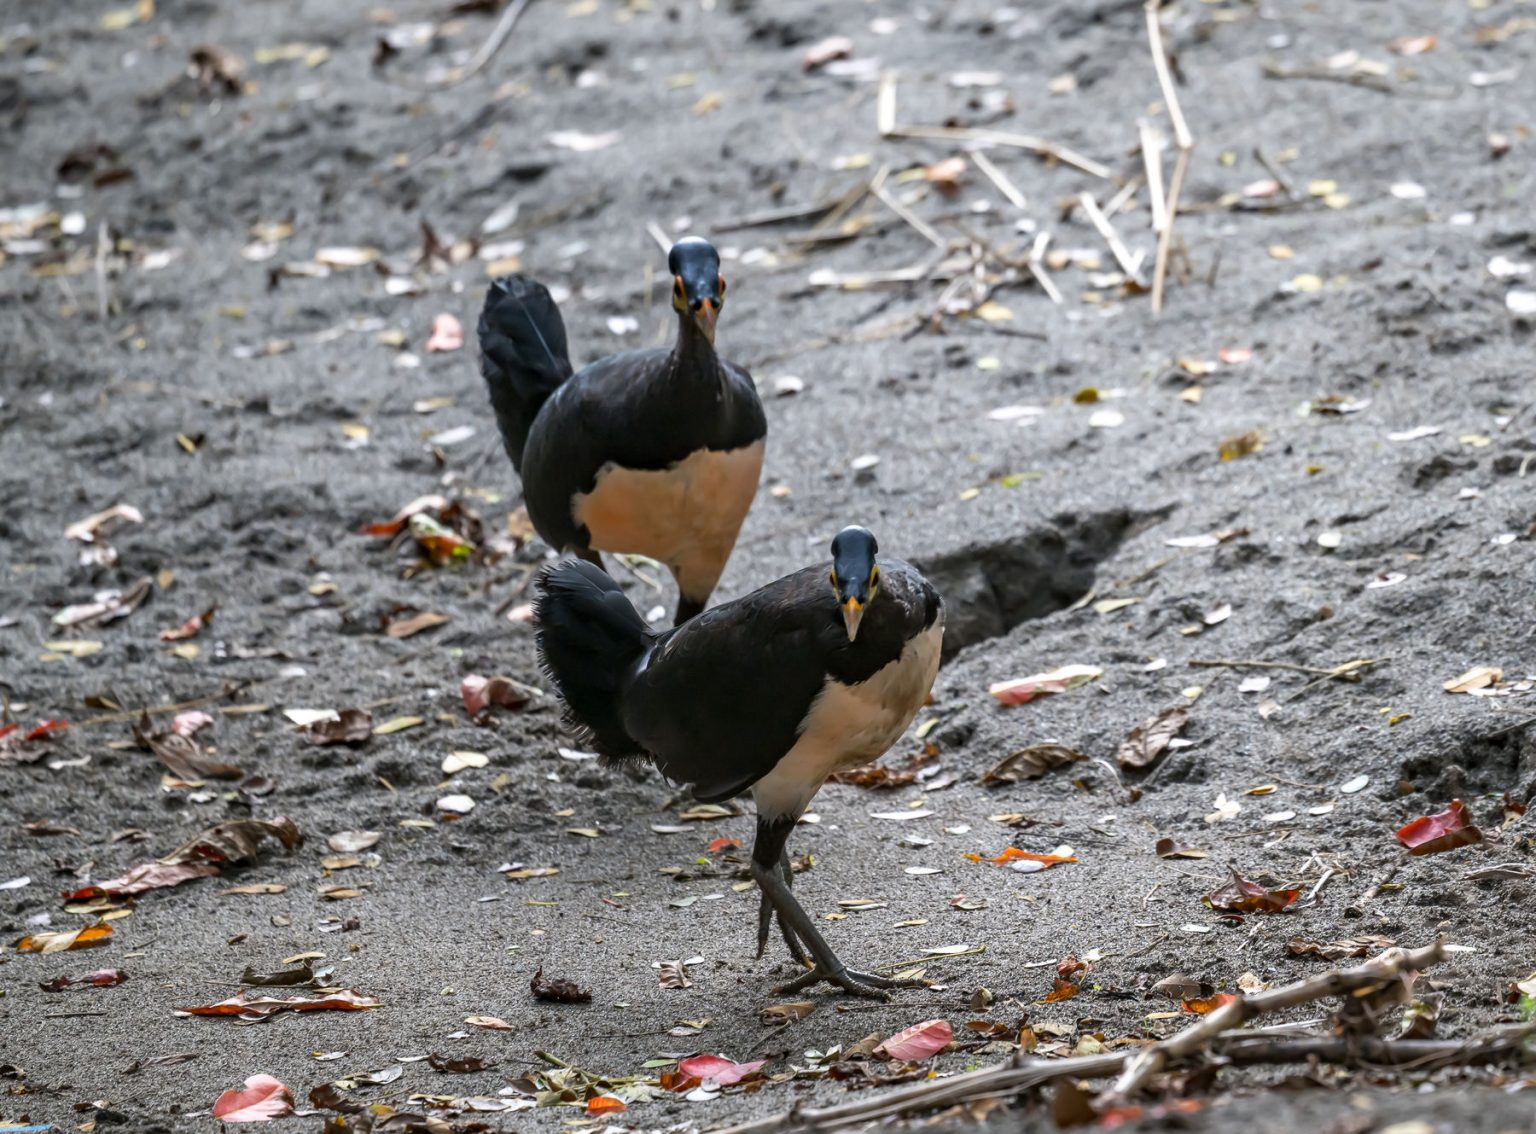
724 695
638 411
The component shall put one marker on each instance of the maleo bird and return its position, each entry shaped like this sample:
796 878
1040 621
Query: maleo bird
771 692
652 452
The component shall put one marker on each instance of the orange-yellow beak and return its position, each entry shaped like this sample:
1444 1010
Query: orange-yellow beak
853 614
706 313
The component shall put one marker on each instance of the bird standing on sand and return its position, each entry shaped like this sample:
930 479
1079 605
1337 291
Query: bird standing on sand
771 692
651 452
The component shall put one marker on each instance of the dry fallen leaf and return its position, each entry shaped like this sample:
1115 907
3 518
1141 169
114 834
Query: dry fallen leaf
558 990
919 1042
776 1014
714 1069
1238 895
480 693
143 878
1480 677
1443 831
349 726
84 938
256 1008
236 841
1363 946
262 1100
1168 848
823 52
1024 689
1147 741
1030 763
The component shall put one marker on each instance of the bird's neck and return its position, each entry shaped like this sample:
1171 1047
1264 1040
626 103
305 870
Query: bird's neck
693 353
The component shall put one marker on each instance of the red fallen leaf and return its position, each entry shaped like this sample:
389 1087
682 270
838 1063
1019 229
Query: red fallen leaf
1069 967
263 1099
480 693
1203 1005
1062 990
144 877
261 1007
43 729
393 526
606 1104
918 1042
1443 831
190 628
718 1069
723 843
6 730
1239 895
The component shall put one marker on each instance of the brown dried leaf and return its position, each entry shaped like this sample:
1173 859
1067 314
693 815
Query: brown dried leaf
1031 763
1238 895
775 1015
181 755
415 624
467 1065
236 841
1167 848
1147 741
352 726
84 938
1367 944
265 1007
558 990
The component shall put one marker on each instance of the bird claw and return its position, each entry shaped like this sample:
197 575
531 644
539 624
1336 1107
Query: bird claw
851 981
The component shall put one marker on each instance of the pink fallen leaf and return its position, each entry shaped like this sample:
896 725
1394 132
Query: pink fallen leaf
1024 689
447 334
917 1042
718 1069
480 693
263 1099
185 724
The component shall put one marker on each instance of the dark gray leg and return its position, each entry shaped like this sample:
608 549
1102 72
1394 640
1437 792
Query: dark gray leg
769 873
765 919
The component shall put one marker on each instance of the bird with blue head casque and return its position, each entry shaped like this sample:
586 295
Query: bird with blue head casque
650 452
770 693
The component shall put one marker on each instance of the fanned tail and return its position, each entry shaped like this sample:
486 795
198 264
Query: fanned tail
523 355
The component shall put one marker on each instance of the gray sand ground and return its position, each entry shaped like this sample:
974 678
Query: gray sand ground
268 506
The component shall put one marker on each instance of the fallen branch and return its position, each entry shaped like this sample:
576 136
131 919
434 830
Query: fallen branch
1254 1047
1037 267
1370 82
1185 142
1026 1071
1349 671
1244 663
1146 1063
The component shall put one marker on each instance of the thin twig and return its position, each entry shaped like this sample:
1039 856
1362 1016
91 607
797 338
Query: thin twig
1152 158
1036 267
1274 171
1186 144
1243 663
1349 671
1370 82
1004 186
1130 265
160 710
1029 142
906 214
1123 197
885 104
103 243
659 235
509 17
1357 907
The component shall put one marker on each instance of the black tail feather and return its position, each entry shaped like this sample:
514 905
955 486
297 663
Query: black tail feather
523 356
589 640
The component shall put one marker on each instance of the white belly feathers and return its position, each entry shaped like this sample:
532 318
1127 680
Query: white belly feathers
849 725
686 515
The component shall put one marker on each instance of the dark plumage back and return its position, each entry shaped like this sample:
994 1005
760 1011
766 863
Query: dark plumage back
590 637
523 355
